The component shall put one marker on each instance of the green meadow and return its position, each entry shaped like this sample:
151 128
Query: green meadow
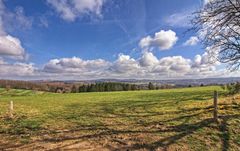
170 119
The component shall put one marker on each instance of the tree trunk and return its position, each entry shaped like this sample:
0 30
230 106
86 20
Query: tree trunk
215 103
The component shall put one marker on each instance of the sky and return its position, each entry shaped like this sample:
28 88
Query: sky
95 39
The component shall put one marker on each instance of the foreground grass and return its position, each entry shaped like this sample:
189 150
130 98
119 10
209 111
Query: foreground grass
176 119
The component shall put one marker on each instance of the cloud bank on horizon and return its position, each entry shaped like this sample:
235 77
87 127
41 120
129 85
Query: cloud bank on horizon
154 53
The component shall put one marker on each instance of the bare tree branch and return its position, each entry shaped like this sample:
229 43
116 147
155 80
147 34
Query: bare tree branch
218 26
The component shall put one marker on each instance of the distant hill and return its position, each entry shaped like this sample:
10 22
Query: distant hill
67 86
179 82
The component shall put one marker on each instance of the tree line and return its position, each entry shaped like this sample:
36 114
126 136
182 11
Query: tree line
105 87
64 87
36 86
76 87
115 86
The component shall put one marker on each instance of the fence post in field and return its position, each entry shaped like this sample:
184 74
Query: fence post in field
11 109
215 103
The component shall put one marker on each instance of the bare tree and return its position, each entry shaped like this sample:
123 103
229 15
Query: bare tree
218 26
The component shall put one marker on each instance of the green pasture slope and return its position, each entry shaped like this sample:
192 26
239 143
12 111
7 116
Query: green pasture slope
174 119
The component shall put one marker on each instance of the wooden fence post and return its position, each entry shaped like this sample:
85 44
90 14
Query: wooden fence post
11 109
215 103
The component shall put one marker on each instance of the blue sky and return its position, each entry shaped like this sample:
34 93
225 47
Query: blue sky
87 39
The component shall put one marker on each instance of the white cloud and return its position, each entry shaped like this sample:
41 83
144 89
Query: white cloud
198 60
70 10
15 19
204 64
64 9
212 55
148 59
181 19
163 40
207 1
145 42
21 19
146 66
176 65
125 64
11 46
191 41
16 69
75 65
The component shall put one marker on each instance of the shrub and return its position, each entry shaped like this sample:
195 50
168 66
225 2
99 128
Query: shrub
233 88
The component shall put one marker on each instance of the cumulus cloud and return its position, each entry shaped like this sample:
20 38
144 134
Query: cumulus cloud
149 66
163 40
176 64
172 67
204 64
16 69
148 59
75 65
212 54
70 10
191 41
146 66
11 46
125 64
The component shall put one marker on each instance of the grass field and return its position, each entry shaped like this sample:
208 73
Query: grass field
176 119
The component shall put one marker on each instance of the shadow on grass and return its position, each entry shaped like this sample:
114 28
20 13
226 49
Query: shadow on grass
177 132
